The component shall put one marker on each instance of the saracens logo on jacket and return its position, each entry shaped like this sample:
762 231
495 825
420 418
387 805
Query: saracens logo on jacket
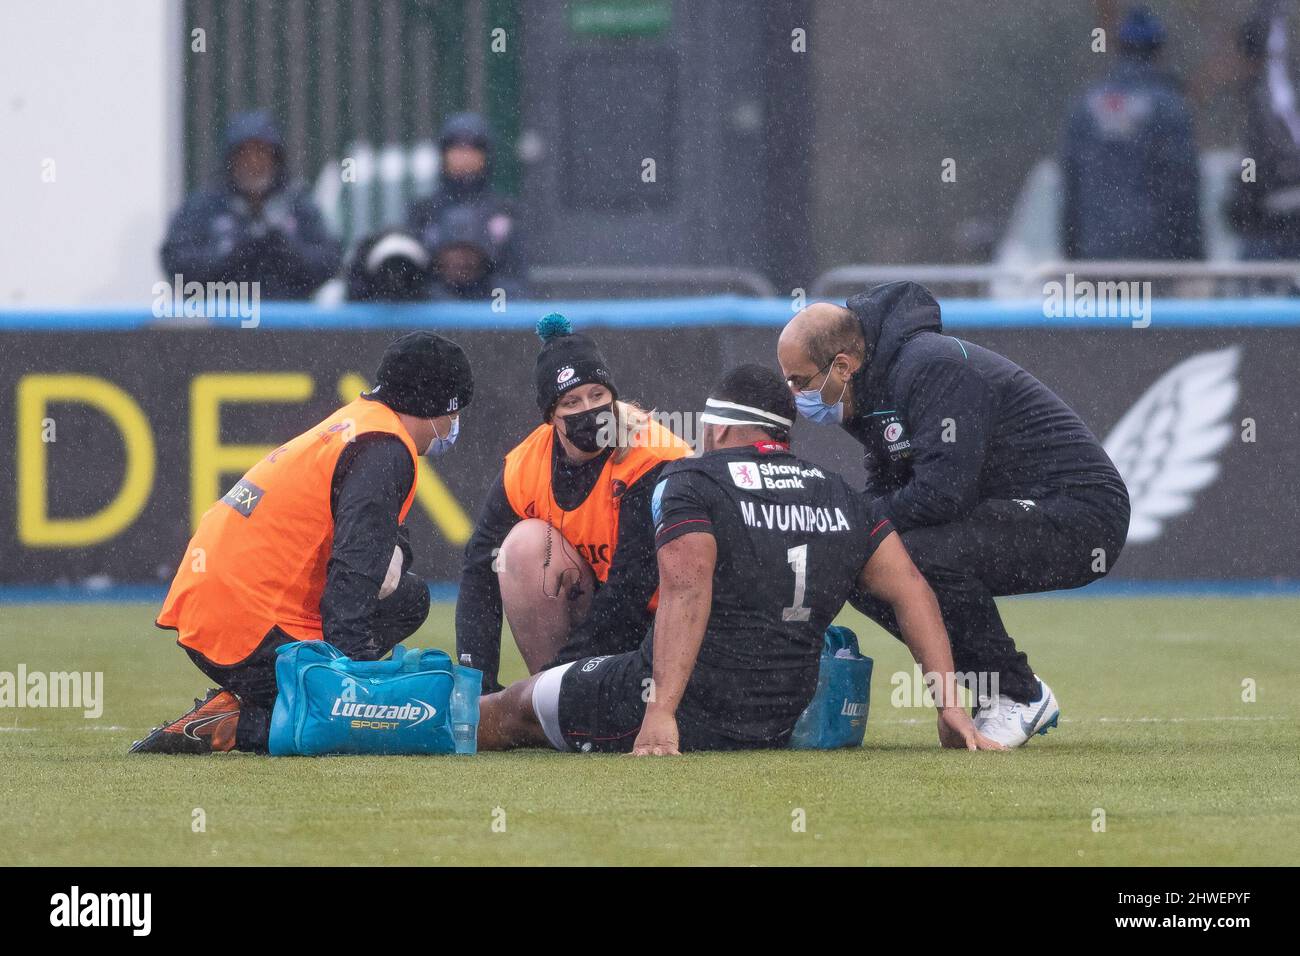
893 443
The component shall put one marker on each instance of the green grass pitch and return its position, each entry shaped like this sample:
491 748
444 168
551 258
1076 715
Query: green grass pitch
1154 732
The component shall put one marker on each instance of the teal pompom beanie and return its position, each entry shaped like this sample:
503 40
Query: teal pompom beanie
567 359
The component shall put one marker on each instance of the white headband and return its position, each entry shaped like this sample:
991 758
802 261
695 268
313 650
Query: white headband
767 418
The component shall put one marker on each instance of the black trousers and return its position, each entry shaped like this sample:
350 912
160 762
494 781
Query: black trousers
252 680
1062 540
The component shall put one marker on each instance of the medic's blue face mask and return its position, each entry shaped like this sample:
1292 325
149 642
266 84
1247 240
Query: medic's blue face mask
441 445
816 409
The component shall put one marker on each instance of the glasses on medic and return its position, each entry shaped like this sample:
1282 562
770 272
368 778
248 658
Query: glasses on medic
801 383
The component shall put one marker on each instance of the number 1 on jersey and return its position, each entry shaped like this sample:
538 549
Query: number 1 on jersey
797 558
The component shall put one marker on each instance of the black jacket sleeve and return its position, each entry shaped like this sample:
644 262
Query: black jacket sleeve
190 247
618 620
478 605
308 255
372 478
945 479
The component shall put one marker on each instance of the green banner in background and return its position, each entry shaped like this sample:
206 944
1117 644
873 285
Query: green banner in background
616 18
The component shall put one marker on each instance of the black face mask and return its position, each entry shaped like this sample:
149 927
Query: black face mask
583 428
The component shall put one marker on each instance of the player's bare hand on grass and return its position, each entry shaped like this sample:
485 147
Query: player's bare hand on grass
957 732
658 736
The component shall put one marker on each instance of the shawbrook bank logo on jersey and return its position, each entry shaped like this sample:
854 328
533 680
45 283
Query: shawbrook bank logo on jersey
770 475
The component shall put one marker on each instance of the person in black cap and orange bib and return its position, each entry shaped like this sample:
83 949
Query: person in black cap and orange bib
309 544
564 543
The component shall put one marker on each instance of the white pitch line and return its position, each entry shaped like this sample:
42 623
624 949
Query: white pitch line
1171 720
1126 720
33 730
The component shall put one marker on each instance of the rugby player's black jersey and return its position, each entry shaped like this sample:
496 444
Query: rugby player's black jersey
791 540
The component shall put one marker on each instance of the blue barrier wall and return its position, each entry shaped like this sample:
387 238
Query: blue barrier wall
1235 535
661 313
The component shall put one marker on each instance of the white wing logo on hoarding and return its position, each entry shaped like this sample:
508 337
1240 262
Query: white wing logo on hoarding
1165 445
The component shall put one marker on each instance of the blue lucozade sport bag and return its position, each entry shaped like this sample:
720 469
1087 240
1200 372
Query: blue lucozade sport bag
837 714
417 702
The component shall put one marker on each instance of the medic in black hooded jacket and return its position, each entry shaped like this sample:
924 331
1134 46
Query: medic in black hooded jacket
995 485
947 423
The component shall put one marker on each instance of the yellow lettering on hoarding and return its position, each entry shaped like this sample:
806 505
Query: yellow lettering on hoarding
36 529
209 459
431 492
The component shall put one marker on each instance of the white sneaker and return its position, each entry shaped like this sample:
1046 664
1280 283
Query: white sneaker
1012 724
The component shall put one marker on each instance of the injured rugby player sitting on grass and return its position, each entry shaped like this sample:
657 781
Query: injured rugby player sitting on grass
758 551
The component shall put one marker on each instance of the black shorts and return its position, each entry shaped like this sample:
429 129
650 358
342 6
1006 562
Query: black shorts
606 644
602 701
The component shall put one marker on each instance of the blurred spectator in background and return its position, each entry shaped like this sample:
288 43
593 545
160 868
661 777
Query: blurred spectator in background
390 266
463 180
465 257
255 226
1129 165
1266 212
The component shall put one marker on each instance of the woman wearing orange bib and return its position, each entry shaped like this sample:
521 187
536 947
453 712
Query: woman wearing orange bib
564 544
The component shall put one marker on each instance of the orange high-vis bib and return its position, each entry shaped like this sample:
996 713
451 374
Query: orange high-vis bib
259 556
592 527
